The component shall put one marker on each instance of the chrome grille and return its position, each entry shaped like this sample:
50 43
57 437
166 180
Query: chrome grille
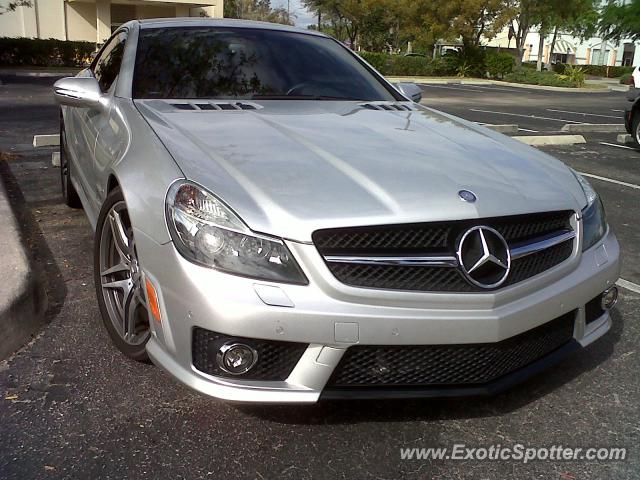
421 257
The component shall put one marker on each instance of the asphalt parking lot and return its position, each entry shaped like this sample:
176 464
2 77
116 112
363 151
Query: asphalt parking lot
535 111
72 406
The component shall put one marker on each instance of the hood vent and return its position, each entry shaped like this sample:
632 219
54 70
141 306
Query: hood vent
216 106
402 107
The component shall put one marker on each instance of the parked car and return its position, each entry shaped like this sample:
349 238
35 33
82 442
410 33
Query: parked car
636 77
275 222
632 116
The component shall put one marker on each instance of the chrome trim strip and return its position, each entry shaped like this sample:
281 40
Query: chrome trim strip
542 244
450 261
405 261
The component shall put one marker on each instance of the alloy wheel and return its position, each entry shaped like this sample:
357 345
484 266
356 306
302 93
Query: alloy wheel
121 280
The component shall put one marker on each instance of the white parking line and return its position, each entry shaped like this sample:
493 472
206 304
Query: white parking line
491 87
614 110
618 146
583 113
453 88
527 130
525 116
610 180
628 285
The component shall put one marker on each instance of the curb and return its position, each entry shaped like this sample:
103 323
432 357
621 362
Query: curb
594 128
480 81
22 295
46 140
542 140
624 138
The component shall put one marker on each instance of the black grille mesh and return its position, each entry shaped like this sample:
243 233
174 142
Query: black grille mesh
438 238
593 310
537 263
427 237
377 239
438 279
448 365
276 360
523 228
422 279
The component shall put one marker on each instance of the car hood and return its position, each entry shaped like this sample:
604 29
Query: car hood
291 167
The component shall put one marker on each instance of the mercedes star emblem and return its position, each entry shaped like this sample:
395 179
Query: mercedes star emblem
467 196
484 257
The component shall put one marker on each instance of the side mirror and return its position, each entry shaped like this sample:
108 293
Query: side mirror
78 92
410 90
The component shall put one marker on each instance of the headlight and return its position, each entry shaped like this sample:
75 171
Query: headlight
594 221
207 232
594 224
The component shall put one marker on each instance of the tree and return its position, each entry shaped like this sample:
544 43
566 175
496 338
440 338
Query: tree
621 21
15 4
467 20
256 10
576 17
521 23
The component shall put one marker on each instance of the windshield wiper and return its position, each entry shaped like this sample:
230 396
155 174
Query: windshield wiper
303 97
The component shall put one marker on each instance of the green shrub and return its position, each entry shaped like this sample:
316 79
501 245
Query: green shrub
533 77
377 60
596 70
575 75
399 65
44 53
499 64
469 62
626 79
559 68
442 67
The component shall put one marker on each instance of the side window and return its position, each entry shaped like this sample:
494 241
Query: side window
107 65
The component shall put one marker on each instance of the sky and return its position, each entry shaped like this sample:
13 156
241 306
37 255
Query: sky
302 17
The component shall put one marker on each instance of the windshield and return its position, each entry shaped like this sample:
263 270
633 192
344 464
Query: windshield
244 63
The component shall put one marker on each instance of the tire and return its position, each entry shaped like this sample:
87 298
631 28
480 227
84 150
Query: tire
635 126
118 279
69 193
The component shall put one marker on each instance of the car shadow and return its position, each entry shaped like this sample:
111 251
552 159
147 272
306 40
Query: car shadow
532 390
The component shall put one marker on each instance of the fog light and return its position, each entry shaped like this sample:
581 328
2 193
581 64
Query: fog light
609 298
236 358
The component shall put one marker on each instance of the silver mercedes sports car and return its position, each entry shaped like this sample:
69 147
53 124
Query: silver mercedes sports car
275 222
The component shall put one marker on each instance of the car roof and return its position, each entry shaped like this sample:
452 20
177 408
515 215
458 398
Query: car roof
220 22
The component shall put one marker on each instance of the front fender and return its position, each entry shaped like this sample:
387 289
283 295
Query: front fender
143 169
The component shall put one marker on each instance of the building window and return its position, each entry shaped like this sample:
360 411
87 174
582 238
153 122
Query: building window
560 58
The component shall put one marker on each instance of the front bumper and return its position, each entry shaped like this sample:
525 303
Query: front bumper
330 317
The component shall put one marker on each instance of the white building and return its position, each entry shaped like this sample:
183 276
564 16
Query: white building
94 20
569 49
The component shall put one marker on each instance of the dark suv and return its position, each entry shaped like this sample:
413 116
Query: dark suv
632 115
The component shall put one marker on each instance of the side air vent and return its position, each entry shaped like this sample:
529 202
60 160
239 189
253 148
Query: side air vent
387 106
216 106
183 106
